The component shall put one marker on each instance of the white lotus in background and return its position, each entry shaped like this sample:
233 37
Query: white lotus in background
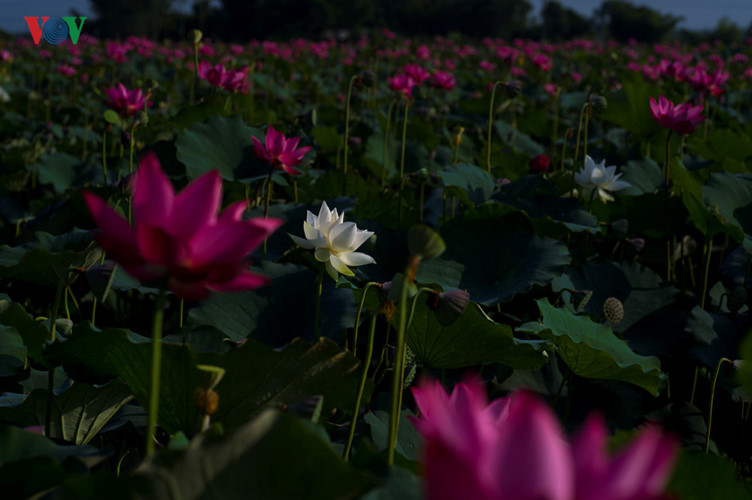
334 241
600 177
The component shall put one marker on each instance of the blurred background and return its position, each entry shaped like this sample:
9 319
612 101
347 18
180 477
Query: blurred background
240 20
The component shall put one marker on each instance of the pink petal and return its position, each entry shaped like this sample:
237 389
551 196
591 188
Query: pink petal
116 237
196 206
234 213
244 281
275 142
531 453
153 195
192 292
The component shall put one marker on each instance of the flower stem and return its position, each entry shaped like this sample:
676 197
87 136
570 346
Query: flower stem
399 367
490 125
361 387
402 165
712 397
347 131
104 155
51 369
587 122
268 199
195 73
708 251
156 367
317 317
386 143
182 302
665 208
577 143
357 316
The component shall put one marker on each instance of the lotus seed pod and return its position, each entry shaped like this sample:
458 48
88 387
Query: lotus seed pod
599 104
424 242
195 36
736 299
411 368
613 310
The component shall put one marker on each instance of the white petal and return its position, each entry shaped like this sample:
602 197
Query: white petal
331 272
617 185
312 219
356 259
340 266
604 195
300 241
361 237
342 237
311 233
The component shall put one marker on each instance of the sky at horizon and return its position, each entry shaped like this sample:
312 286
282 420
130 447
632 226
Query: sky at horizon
698 14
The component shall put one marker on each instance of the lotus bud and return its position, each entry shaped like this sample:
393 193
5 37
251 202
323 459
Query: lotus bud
637 243
613 310
736 299
449 305
206 402
513 88
458 137
369 78
195 36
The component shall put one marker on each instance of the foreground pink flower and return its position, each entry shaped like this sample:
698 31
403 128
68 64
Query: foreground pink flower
682 119
280 151
126 102
180 237
514 449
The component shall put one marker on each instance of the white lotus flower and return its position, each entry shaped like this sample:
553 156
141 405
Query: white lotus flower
600 177
335 241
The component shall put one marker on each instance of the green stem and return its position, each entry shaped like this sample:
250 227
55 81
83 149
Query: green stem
357 316
386 143
361 387
195 73
104 155
317 317
587 122
490 125
156 368
182 302
712 397
51 369
399 367
577 143
665 208
347 131
708 252
402 164
268 199
694 386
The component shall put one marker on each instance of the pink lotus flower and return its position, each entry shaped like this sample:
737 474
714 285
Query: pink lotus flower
417 73
126 102
443 80
280 151
218 76
682 119
401 83
179 237
514 449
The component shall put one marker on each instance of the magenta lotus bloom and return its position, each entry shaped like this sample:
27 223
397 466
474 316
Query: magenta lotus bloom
126 102
218 76
280 151
180 237
682 119
443 80
401 83
514 449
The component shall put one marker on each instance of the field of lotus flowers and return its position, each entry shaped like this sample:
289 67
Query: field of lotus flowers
381 268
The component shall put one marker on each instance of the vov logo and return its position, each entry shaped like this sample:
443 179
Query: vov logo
55 30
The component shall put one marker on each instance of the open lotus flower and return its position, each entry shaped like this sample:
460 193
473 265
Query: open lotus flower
218 76
402 83
280 151
181 237
514 449
335 241
600 177
126 102
682 119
